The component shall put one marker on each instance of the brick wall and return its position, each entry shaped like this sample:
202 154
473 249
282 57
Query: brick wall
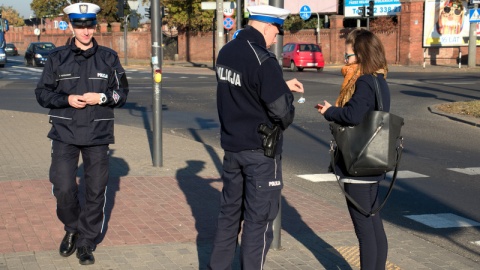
403 46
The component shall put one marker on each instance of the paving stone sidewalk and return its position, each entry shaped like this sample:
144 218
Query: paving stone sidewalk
164 218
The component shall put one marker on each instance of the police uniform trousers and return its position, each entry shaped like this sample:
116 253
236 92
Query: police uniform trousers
88 220
252 186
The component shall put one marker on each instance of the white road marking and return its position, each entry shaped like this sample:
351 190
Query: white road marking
322 177
469 171
476 243
329 177
445 220
406 175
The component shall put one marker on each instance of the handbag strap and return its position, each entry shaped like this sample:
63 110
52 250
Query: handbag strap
378 94
390 189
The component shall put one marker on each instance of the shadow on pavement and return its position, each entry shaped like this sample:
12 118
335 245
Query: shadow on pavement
204 202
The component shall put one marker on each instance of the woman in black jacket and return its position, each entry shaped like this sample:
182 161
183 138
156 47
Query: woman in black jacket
364 56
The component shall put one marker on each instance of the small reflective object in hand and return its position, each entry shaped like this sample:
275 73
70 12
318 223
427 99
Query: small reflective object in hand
301 100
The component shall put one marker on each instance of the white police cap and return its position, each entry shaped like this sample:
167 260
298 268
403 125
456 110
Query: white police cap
82 14
269 14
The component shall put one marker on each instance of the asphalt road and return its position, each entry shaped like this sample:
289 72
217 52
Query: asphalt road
440 169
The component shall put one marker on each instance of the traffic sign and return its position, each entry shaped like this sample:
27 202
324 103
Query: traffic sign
63 25
36 31
213 5
474 15
228 23
229 9
305 12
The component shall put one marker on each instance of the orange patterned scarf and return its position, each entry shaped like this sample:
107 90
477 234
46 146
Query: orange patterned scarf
351 72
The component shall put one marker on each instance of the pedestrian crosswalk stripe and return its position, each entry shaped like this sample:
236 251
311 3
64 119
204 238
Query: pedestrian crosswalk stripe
469 171
406 175
329 177
27 69
444 220
321 177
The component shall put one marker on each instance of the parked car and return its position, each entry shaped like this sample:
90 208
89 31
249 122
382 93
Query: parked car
37 53
298 56
10 49
3 58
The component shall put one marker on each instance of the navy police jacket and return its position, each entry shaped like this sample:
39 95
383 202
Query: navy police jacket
250 91
71 71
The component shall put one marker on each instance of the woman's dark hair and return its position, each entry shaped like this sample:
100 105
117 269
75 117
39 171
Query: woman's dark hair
368 50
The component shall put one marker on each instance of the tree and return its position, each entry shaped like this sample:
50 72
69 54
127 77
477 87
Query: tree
49 8
188 15
384 24
11 15
295 23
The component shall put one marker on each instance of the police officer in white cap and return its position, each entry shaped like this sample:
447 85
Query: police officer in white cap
81 84
255 106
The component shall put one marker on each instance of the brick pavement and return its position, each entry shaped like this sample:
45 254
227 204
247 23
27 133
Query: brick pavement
164 218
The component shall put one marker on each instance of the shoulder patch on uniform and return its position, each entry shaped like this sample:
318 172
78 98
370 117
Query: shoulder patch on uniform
261 52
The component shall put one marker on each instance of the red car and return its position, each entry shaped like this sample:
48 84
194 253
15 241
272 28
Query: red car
298 56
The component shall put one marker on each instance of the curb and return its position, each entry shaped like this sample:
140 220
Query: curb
464 119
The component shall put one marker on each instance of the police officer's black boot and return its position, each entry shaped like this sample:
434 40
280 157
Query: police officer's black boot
85 255
67 246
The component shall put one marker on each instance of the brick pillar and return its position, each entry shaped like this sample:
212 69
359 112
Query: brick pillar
411 30
115 26
103 27
337 45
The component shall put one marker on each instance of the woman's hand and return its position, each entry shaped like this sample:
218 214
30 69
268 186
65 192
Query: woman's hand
323 108
295 86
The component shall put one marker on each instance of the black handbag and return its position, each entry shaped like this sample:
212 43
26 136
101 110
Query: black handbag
373 147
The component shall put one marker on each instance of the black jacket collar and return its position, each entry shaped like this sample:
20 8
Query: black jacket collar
89 52
253 35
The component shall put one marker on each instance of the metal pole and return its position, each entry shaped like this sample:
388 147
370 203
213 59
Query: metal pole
277 222
239 14
157 58
220 38
472 43
318 29
125 28
213 37
277 48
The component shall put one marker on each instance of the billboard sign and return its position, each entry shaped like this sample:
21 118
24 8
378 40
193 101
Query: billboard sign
381 8
317 6
447 24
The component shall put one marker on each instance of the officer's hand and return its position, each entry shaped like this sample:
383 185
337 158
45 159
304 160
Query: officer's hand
76 101
92 98
295 86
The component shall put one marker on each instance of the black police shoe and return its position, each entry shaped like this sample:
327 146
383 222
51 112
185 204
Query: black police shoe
67 246
85 256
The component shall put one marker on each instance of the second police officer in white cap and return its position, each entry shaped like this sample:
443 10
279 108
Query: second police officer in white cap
81 84
255 106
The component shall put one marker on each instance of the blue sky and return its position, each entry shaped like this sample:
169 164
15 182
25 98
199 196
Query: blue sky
22 6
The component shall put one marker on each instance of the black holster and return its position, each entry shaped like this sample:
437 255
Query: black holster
270 138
